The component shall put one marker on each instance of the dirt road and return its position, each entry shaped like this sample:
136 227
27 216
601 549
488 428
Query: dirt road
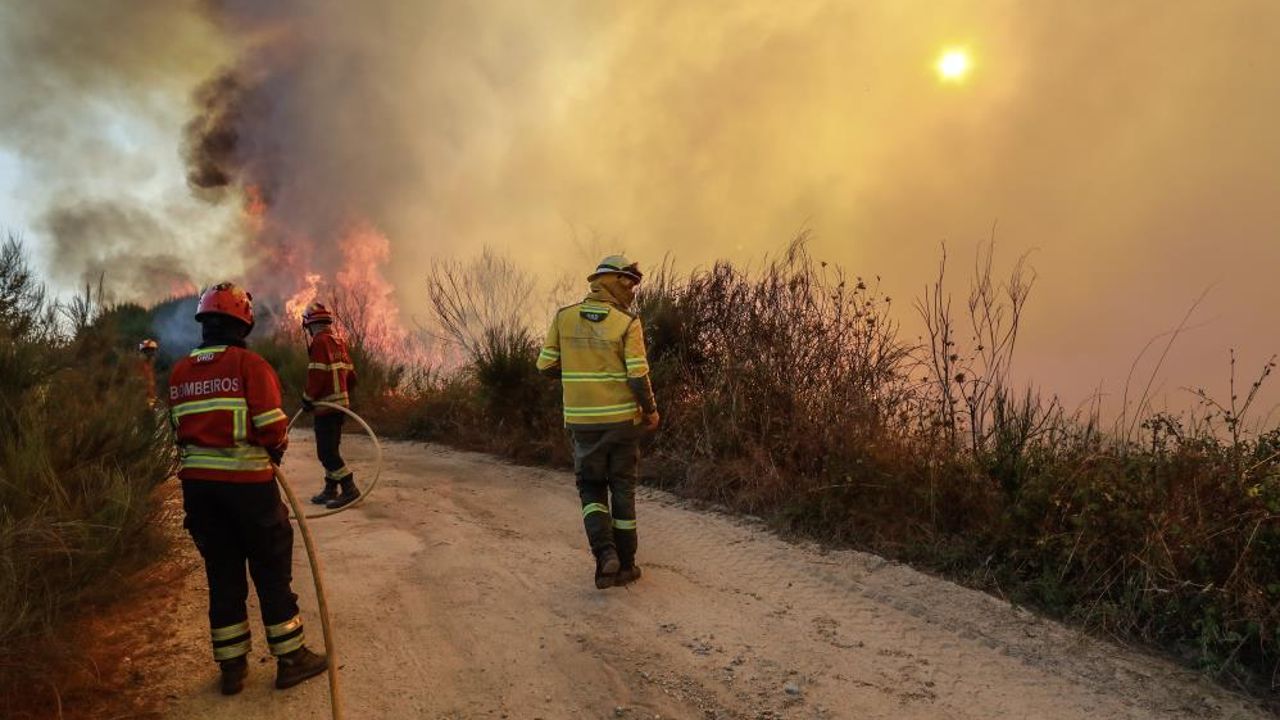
463 590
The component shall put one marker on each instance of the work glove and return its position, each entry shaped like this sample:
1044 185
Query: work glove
276 454
308 406
651 421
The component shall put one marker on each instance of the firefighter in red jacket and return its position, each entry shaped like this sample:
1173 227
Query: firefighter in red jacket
224 401
330 378
147 367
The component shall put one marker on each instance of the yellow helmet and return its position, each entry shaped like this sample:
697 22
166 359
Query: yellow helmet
617 265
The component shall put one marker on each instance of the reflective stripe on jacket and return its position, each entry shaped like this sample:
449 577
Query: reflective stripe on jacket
224 403
598 350
330 373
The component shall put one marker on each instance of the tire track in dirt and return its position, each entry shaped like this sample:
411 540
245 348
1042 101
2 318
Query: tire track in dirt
463 590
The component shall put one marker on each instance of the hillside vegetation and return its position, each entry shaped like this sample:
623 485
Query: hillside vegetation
80 453
788 393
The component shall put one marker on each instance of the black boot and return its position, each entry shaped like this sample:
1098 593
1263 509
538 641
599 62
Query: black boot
329 493
606 568
627 574
301 664
349 494
234 672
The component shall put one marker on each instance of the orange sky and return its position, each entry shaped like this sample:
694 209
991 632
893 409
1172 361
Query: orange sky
1130 147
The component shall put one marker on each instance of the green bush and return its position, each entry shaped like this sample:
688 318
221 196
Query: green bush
80 453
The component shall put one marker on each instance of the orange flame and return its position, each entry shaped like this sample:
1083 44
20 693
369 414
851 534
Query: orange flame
182 287
368 296
356 290
358 293
294 306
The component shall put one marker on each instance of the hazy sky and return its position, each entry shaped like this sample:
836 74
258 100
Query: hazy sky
1130 147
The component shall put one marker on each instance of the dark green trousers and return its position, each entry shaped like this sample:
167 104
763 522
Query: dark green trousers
606 463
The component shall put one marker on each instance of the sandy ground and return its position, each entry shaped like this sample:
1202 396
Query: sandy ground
463 589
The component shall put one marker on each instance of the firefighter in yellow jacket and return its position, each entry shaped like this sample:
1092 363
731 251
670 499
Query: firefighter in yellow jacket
596 349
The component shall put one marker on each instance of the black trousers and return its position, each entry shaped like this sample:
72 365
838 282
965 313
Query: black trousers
328 442
234 524
606 463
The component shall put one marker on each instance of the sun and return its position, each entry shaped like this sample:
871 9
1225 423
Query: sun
953 65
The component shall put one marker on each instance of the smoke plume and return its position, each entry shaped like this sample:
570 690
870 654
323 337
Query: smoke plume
110 240
1130 145
92 96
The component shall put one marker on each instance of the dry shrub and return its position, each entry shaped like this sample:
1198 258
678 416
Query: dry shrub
787 392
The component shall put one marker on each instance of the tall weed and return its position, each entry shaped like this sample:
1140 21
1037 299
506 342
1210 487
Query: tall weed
80 452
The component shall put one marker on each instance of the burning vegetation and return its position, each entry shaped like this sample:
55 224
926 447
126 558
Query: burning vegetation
790 393
301 242
787 392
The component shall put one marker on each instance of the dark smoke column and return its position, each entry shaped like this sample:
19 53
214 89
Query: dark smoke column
284 131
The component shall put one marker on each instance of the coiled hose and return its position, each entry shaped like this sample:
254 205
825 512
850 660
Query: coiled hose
313 557
377 471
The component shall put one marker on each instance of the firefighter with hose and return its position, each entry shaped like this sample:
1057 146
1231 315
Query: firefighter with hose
224 402
331 377
596 349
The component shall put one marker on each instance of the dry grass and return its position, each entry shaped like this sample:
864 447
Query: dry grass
788 393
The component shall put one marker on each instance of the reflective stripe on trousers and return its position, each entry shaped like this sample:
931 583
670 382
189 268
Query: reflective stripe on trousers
285 637
328 430
235 525
230 641
606 462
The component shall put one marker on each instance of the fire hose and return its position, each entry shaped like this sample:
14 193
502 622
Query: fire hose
330 647
377 472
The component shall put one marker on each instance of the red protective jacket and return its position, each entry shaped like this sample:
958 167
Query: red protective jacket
224 402
330 374
147 372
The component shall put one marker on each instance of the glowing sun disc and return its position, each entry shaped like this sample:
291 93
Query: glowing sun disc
953 65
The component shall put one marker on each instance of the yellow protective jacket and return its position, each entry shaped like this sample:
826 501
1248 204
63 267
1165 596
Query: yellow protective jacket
596 348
